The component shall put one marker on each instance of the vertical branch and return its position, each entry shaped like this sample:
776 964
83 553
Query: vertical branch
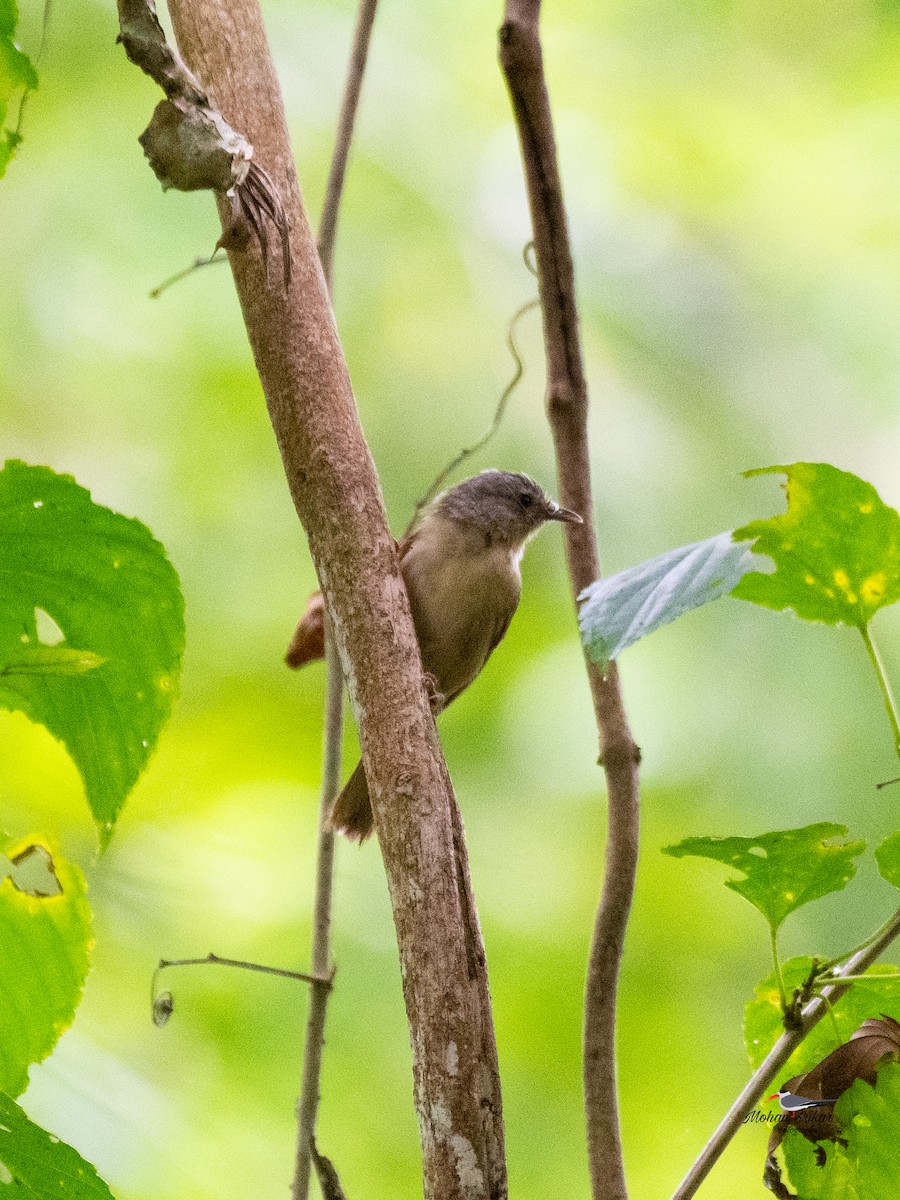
308 1105
567 408
359 53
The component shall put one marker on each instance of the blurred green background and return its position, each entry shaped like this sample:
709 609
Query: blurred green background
732 176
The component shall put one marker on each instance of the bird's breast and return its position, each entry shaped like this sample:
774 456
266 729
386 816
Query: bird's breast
462 594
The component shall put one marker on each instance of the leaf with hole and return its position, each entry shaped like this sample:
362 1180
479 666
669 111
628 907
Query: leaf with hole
45 949
782 870
32 871
836 549
106 690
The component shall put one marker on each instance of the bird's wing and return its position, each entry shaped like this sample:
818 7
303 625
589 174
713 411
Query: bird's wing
497 637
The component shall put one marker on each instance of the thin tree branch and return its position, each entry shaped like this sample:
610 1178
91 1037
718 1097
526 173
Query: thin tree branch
499 412
308 1104
197 265
365 19
163 1003
216 960
338 499
567 408
777 1057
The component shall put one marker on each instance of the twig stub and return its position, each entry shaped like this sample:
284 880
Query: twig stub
191 147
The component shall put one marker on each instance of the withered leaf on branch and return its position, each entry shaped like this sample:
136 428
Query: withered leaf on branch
191 147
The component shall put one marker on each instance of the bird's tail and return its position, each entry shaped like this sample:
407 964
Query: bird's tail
351 813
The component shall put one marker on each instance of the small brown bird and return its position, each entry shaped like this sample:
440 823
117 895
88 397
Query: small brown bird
461 570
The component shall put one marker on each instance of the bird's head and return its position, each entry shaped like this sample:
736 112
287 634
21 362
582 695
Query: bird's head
505 506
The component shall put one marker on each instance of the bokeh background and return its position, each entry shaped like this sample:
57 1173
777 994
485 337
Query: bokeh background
732 176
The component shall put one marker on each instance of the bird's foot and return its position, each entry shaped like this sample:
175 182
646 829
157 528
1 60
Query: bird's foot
435 698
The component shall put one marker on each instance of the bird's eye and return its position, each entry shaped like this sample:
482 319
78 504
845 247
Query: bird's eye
526 499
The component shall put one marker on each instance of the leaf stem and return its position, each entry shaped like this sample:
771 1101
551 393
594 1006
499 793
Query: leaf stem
774 936
883 682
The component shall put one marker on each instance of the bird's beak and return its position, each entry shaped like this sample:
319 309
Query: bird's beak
564 514
774 1096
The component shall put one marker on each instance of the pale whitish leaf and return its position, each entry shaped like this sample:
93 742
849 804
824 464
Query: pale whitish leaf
619 610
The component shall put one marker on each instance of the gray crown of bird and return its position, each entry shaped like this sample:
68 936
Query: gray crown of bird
461 569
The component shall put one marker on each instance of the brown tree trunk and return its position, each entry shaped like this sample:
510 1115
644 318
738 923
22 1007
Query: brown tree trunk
336 493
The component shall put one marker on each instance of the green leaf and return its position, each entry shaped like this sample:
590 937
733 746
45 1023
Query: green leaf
111 590
16 74
888 858
782 870
35 1165
836 549
870 1120
45 946
9 18
763 1018
51 660
622 608
836 1180
867 1165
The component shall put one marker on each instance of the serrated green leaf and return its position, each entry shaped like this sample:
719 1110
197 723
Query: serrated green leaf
35 1165
870 1122
763 1018
836 549
835 1180
782 870
17 74
45 945
109 587
887 856
51 660
624 607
